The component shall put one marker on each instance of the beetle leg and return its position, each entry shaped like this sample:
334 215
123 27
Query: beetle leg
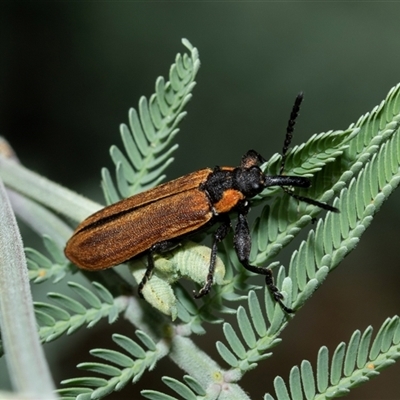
242 243
157 248
147 274
219 235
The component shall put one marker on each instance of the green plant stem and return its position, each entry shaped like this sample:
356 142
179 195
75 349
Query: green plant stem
27 365
39 219
45 192
205 370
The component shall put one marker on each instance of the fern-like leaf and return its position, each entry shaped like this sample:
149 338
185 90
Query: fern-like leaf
367 162
42 268
147 140
281 221
373 175
55 320
119 368
310 157
256 338
190 390
350 366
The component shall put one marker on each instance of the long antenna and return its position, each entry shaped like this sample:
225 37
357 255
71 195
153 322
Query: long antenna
288 138
290 129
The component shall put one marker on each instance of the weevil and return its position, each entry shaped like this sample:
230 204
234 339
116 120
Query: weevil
156 220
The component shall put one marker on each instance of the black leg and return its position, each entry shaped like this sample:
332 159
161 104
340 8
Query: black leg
242 243
219 235
157 248
147 274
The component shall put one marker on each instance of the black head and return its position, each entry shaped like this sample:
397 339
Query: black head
252 181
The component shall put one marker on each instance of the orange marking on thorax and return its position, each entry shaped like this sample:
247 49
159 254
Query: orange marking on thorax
229 200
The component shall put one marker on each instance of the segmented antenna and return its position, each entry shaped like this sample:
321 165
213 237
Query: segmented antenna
288 138
290 129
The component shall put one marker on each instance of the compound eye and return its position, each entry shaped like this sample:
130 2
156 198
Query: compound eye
256 186
256 181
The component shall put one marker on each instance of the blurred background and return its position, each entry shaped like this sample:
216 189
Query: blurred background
69 72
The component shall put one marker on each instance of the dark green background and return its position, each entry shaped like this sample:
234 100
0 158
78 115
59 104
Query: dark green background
69 72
